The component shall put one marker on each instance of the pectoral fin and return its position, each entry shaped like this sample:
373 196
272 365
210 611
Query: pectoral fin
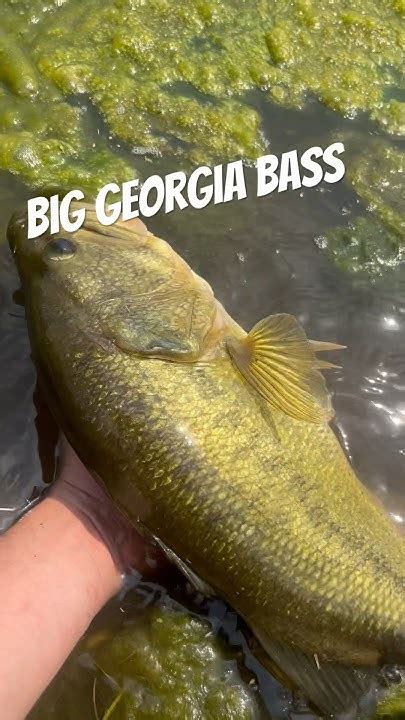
279 361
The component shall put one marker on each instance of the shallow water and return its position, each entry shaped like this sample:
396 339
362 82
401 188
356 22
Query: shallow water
260 258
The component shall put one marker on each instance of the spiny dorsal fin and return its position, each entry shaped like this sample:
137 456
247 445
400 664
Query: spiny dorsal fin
279 361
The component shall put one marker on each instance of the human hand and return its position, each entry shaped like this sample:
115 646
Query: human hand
86 497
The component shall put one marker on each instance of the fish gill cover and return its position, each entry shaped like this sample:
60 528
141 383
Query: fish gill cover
174 79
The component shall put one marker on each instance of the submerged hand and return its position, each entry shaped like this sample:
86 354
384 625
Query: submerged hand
77 489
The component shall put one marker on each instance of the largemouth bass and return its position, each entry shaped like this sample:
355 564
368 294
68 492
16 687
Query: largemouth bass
216 441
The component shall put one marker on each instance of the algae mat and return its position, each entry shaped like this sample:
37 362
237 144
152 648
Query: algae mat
375 241
175 80
162 663
173 77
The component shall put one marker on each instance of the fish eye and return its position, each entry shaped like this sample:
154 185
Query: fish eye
60 249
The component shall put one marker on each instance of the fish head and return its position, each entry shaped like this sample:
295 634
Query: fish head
123 283
90 263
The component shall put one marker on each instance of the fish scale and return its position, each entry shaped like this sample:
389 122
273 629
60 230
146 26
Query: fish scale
282 534
279 538
283 538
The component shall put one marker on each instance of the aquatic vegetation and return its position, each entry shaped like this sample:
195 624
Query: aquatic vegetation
363 246
378 176
184 669
375 242
393 705
162 664
173 78
176 80
45 143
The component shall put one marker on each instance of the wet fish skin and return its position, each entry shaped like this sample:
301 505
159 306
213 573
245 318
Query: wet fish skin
265 508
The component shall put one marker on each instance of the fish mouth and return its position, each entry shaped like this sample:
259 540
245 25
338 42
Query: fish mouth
17 230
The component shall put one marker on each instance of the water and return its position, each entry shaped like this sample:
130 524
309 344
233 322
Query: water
259 256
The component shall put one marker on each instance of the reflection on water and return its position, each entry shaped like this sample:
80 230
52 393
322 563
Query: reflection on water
260 258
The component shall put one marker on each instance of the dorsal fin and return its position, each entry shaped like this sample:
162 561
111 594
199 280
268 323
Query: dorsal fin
279 361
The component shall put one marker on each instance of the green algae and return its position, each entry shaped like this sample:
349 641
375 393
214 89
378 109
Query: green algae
44 143
378 177
373 243
173 78
177 669
162 664
364 246
392 707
